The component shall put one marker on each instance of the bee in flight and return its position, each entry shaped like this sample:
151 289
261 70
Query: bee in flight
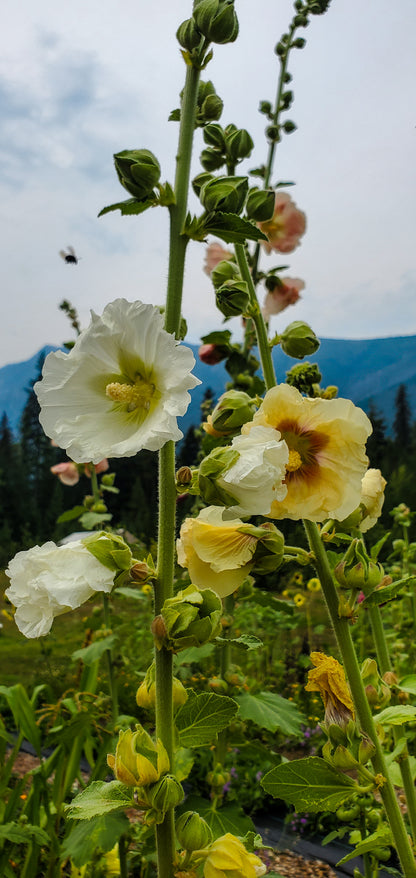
69 257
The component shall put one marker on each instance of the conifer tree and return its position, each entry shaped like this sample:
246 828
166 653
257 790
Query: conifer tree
402 421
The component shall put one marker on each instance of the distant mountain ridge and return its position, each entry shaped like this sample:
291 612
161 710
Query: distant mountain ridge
368 370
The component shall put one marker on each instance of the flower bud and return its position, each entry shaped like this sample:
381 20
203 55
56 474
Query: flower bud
270 549
224 271
166 793
211 354
199 181
216 20
212 468
378 693
303 377
357 570
191 618
212 159
130 766
214 136
138 171
289 126
141 572
184 475
210 110
232 298
239 144
298 340
260 204
226 194
265 107
192 831
187 35
233 409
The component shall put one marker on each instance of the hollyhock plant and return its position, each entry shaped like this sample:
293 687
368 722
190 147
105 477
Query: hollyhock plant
120 388
286 227
49 580
285 293
217 554
327 460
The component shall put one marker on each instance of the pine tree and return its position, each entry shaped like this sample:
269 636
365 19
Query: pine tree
402 423
377 443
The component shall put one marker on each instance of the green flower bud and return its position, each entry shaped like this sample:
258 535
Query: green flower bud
260 204
110 550
289 126
378 693
212 467
211 110
216 20
187 35
298 340
232 298
214 135
191 618
273 133
226 270
199 181
226 194
138 171
239 144
233 409
270 549
192 831
303 377
166 793
299 43
265 107
357 570
211 159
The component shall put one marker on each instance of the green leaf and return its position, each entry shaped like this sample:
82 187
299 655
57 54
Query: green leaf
270 711
395 715
389 592
396 775
70 514
23 713
219 336
100 798
131 206
183 762
202 717
408 684
229 818
127 592
247 641
231 228
22 834
309 784
90 519
381 836
266 599
193 654
99 833
93 652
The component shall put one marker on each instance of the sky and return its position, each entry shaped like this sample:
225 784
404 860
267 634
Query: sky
81 81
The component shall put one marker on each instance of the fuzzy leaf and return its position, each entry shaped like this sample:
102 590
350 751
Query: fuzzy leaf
99 833
93 652
408 684
70 514
395 715
23 834
131 206
100 798
270 711
389 592
309 784
381 836
202 717
231 228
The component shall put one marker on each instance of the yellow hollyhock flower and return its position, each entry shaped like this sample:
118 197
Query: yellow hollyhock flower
130 767
228 858
216 553
372 498
327 460
328 678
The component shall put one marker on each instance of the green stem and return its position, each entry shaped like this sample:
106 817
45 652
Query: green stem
112 679
257 317
165 832
344 639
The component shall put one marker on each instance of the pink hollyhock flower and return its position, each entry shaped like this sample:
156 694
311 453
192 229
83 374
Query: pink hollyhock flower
286 226
211 354
67 472
100 467
283 294
214 254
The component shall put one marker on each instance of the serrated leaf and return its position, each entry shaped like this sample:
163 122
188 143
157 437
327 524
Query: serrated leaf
130 207
183 762
93 652
270 711
91 519
381 836
389 592
100 833
175 116
100 798
193 654
202 717
247 641
231 228
408 684
23 834
395 715
219 336
309 784
229 818
70 514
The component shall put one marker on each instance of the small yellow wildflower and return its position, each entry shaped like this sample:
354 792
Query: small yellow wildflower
313 584
299 599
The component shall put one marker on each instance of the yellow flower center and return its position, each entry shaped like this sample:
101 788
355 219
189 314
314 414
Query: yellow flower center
294 462
134 396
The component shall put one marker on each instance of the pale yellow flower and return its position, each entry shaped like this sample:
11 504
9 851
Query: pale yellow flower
130 766
372 497
328 678
215 552
327 460
228 858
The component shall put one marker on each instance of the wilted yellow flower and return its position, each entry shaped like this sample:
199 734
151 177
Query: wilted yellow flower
372 497
328 678
299 599
228 858
216 553
327 460
130 767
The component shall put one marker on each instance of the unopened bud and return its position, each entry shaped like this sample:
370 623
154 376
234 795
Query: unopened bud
165 794
138 171
298 340
140 572
233 298
216 20
184 475
187 35
225 194
239 144
192 831
260 204
233 409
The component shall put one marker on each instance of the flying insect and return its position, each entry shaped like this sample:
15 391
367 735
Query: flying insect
70 258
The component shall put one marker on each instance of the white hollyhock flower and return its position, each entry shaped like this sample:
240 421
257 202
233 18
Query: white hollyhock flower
49 580
120 388
256 479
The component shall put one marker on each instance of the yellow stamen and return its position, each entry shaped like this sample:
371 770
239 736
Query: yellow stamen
135 396
294 462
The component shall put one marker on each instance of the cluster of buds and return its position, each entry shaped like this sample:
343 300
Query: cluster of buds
191 618
212 21
225 146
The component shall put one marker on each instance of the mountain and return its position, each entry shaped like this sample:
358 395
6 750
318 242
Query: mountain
368 370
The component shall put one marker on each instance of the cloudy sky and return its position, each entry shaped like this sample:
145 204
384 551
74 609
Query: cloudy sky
81 81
